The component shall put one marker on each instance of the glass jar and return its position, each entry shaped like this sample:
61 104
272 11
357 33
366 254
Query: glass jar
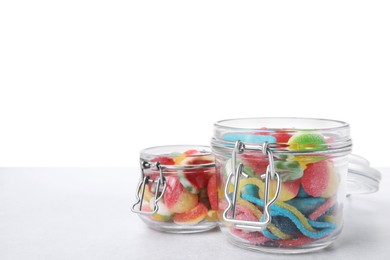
282 181
177 192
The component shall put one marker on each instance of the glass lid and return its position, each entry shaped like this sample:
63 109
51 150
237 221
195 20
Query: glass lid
362 178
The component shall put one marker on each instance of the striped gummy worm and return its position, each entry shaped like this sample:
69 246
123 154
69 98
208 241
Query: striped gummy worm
305 226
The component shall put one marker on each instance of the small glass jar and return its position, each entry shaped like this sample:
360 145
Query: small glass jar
177 192
282 181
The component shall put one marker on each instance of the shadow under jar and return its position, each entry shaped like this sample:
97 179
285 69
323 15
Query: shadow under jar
177 192
281 182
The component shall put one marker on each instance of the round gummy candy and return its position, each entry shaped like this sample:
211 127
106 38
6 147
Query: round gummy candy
177 198
301 142
192 216
194 180
315 179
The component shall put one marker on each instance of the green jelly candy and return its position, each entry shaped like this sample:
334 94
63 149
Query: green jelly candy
301 142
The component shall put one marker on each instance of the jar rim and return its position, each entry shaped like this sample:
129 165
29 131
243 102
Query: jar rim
152 151
323 124
327 135
175 152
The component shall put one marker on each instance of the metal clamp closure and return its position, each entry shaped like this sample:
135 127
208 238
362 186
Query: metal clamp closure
140 193
237 171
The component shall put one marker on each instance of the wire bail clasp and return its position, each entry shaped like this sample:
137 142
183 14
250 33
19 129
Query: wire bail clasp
237 171
140 193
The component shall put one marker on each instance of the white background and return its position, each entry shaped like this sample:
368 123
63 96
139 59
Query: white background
90 83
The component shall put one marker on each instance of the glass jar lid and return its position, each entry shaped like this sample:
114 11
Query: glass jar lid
362 178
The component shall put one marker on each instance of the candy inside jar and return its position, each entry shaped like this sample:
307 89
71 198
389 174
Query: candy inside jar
281 182
177 192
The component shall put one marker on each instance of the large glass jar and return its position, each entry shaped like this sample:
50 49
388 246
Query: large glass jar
177 192
281 181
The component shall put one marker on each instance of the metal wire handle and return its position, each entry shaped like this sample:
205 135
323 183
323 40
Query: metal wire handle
141 189
239 148
140 193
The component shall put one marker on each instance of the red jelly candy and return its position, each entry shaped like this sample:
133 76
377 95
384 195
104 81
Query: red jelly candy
195 179
164 160
212 192
315 179
192 216
258 163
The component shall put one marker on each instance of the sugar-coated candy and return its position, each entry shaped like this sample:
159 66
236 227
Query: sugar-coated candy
177 198
251 189
306 209
212 192
306 205
333 184
190 182
192 216
302 193
285 224
307 141
257 213
190 195
306 226
288 190
322 209
193 180
244 213
304 160
254 164
316 179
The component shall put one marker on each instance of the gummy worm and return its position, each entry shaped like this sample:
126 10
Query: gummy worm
283 209
259 183
321 209
275 231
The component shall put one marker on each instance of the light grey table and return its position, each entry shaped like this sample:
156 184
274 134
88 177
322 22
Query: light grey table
84 213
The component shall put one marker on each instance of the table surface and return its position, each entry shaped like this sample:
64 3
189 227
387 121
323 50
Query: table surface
84 213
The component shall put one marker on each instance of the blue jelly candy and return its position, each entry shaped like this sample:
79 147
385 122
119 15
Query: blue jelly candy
302 193
249 138
250 189
285 224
